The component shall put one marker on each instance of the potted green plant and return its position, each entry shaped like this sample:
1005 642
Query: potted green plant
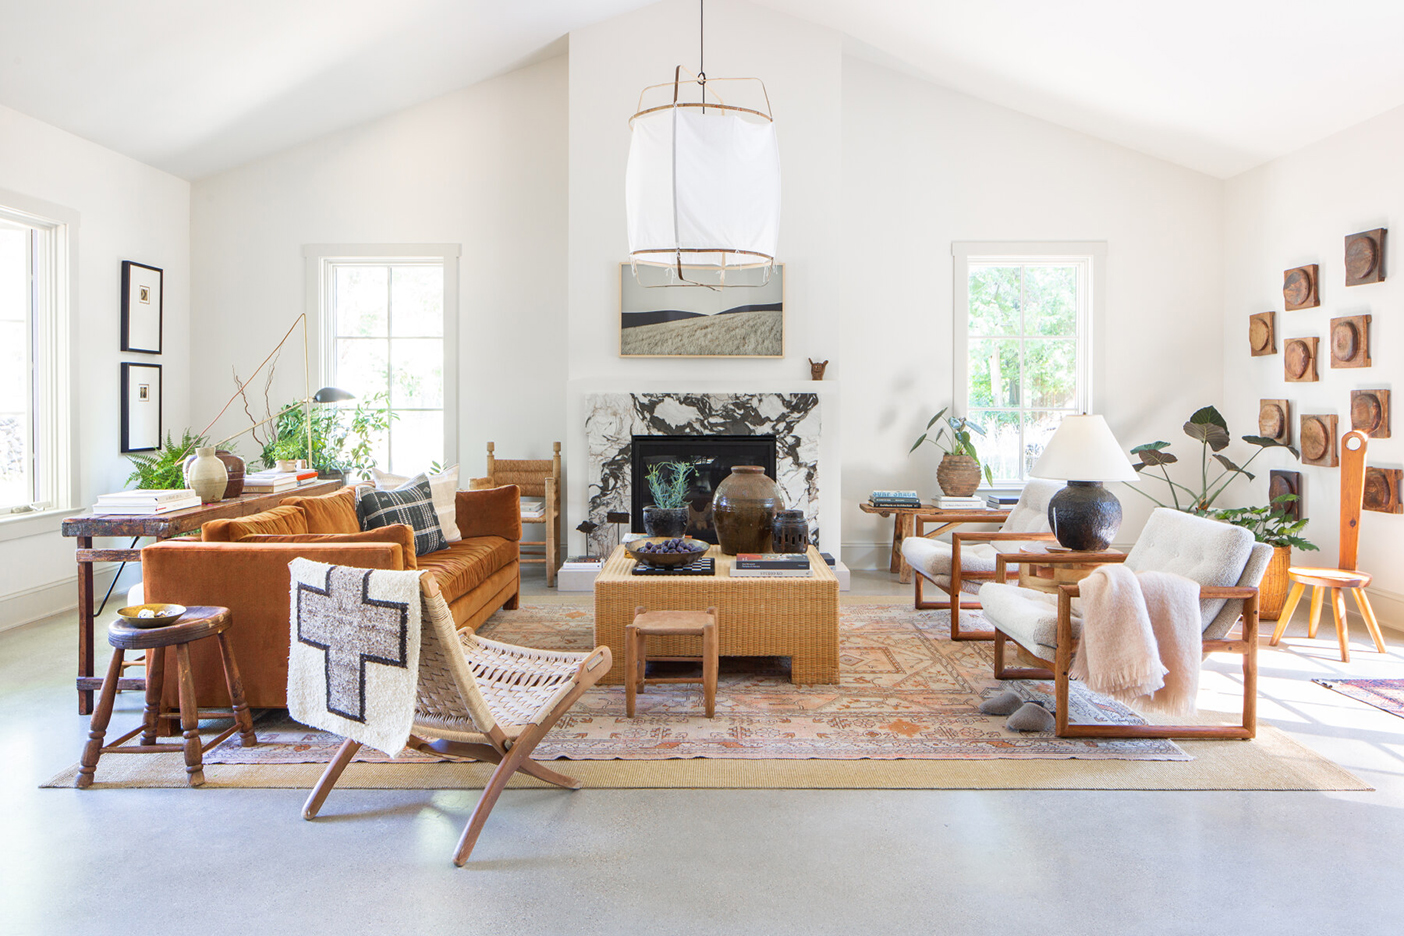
668 485
342 440
960 469
1272 525
164 469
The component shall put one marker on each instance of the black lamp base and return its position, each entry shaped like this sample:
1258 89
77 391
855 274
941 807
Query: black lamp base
1084 516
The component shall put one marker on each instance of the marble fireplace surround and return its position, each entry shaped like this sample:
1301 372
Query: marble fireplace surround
613 419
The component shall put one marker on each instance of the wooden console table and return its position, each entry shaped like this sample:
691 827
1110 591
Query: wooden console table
905 517
162 526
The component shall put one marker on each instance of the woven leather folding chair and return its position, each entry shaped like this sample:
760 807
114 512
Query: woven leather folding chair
537 477
482 700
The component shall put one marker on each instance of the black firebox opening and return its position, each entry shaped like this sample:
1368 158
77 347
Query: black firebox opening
712 458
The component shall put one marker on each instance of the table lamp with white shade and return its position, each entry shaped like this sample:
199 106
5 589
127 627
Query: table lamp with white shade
1084 453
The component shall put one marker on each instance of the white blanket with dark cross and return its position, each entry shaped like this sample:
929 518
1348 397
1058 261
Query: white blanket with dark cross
353 661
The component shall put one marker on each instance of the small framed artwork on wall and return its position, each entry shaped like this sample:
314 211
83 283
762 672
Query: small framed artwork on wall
141 407
685 321
142 307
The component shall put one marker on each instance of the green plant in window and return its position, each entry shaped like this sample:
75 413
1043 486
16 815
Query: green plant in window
164 469
955 436
342 440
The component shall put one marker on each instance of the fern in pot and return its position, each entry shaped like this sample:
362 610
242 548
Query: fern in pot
668 485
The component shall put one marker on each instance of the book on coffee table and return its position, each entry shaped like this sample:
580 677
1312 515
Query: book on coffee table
779 564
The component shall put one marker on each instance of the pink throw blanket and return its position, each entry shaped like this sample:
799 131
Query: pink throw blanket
1141 638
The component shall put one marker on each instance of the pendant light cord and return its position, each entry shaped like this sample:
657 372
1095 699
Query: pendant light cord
702 50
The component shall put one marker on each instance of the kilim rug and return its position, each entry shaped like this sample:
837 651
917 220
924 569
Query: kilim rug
1387 694
906 691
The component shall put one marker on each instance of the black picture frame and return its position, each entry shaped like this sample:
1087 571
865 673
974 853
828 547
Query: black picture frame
137 382
140 307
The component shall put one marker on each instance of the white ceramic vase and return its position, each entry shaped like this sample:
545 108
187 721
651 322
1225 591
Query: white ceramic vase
206 475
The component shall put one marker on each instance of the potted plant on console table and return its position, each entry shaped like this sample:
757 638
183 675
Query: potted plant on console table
960 470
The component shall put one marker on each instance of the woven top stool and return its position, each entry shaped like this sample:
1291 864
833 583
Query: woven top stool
197 623
670 624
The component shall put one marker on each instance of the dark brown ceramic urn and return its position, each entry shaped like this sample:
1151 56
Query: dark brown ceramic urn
744 508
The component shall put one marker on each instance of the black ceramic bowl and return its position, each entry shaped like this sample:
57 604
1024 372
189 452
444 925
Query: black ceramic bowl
695 548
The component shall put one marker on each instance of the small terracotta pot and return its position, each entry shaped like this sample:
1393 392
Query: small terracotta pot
744 508
958 475
1272 590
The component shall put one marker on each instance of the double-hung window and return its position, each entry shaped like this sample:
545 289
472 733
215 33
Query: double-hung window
387 316
1023 345
35 455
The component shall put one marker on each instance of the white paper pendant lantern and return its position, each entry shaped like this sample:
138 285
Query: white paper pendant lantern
702 188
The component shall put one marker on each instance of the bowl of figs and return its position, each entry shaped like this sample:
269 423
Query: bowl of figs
666 550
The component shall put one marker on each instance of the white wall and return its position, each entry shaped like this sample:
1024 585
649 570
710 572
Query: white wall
1297 210
127 211
923 167
483 167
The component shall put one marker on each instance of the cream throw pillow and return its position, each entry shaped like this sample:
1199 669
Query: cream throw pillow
443 487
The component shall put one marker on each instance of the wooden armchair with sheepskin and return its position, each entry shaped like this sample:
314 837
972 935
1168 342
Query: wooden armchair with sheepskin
961 566
1144 617
377 659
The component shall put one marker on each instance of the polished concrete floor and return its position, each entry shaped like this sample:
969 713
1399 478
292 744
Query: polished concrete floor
719 861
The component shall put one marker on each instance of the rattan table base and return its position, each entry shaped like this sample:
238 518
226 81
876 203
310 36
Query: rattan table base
781 617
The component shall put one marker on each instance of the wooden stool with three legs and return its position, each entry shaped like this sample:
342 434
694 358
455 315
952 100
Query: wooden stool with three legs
670 624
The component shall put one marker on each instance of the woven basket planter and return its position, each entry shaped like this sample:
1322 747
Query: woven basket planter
958 475
1272 590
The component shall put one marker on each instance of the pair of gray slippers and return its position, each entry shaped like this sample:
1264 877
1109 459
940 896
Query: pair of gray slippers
1023 715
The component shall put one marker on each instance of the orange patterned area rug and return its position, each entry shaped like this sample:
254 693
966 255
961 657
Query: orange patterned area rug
906 691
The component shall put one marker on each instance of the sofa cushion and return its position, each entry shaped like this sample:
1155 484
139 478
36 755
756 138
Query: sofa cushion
396 533
283 520
1030 514
329 513
490 512
468 563
442 487
412 505
1208 552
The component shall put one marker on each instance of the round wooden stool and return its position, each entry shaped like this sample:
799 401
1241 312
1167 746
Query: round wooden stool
670 624
195 624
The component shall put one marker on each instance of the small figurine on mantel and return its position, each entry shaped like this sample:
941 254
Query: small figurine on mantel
587 527
816 370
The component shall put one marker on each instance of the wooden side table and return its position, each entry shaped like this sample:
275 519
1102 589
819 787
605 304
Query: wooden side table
1068 569
904 519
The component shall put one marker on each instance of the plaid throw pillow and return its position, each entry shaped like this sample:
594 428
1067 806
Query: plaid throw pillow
412 504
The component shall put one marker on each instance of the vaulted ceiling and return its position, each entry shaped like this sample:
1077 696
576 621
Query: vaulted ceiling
199 86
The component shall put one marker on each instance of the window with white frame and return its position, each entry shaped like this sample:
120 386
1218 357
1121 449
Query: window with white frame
387 339
35 470
1023 346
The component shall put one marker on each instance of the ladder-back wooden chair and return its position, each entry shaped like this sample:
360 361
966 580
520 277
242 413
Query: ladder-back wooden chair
478 699
537 477
1346 577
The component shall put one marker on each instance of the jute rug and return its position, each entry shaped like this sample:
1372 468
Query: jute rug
1387 694
904 716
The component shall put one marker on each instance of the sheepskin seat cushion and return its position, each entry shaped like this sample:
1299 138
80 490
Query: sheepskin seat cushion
1026 616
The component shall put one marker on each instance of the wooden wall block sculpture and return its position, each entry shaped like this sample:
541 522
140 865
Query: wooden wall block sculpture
1382 490
1299 290
1286 482
1350 341
1364 257
1262 333
1319 446
1369 412
1299 359
1274 421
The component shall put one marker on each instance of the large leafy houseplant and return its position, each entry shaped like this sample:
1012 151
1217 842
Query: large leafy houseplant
1270 524
955 437
164 469
1209 429
342 440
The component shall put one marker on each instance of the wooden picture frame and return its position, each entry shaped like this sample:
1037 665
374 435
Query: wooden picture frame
659 321
1369 412
1286 482
1299 360
141 407
143 307
1382 490
1275 420
1262 333
1319 443
1350 341
1365 257
1299 288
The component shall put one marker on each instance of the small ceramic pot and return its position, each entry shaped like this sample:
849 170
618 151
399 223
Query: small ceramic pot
665 521
233 466
744 508
206 475
790 531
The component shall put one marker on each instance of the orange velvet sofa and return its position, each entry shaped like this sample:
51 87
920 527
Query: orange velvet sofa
242 565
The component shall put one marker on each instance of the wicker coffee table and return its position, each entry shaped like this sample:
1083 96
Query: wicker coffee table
783 617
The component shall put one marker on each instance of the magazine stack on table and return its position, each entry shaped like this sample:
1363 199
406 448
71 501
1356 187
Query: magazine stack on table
146 503
782 565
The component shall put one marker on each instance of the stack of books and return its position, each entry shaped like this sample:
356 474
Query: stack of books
146 503
583 564
960 503
1001 501
784 565
533 508
894 499
274 481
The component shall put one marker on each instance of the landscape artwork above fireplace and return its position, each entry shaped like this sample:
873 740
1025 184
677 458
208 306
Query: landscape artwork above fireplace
612 420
